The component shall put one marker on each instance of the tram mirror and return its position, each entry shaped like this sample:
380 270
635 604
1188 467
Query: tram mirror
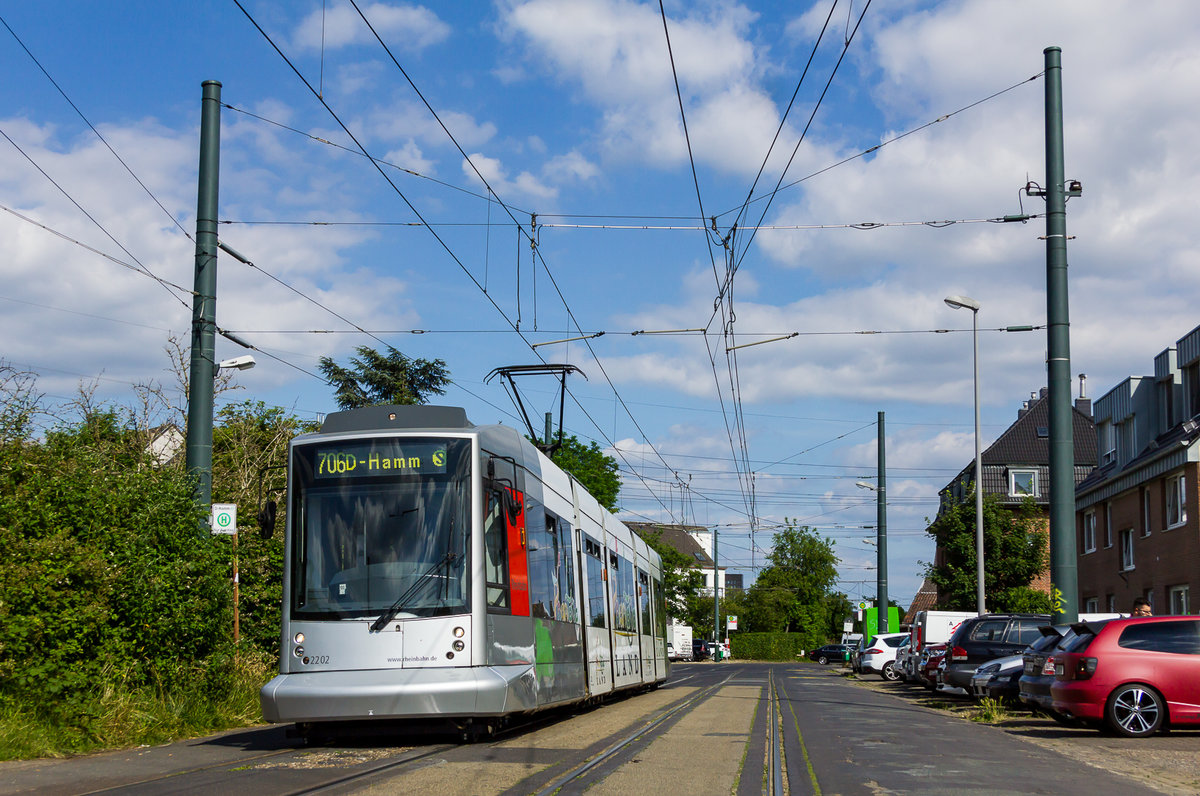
511 507
266 519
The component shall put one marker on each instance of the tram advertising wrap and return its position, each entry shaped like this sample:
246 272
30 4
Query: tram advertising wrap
438 570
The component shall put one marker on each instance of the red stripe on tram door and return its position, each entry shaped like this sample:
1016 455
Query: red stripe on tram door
518 564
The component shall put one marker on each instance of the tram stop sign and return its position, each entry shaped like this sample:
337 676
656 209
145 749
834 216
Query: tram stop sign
224 518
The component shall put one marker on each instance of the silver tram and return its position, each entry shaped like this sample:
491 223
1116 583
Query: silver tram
440 570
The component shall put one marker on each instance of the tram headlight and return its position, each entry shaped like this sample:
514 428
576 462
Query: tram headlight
298 652
458 633
298 638
458 646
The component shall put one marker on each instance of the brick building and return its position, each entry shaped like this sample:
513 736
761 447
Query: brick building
1137 516
1016 467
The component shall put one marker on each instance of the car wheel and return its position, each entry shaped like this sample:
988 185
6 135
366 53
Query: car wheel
1134 711
823 660
889 672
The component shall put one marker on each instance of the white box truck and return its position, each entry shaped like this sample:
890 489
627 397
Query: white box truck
936 627
680 639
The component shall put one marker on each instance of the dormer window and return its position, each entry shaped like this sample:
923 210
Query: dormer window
1022 483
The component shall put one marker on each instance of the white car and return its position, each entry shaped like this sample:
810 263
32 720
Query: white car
880 655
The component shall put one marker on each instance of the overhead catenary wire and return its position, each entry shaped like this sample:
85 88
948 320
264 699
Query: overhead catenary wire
709 242
445 246
536 254
138 268
92 127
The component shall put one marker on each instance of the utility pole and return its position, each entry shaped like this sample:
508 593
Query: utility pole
716 593
204 315
881 583
1064 575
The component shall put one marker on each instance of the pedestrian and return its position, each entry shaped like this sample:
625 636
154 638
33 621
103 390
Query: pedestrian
1141 607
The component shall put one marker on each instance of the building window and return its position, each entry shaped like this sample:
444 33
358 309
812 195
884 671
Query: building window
1089 532
1108 535
1022 483
1091 605
1127 550
1179 600
1106 442
1112 603
1176 501
1145 511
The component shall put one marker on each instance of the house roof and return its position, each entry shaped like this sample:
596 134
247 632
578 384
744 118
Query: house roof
677 536
1026 445
1027 441
924 600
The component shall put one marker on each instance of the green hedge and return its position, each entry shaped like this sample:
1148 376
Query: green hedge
766 646
107 584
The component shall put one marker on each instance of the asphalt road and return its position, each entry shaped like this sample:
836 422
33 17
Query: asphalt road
708 731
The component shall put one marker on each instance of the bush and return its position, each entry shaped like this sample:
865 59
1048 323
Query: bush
107 585
766 646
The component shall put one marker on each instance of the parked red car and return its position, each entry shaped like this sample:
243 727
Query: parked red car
1136 675
931 658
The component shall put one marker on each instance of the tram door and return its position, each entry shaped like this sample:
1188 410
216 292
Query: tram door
595 618
645 626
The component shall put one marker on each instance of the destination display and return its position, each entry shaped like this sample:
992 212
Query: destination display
381 457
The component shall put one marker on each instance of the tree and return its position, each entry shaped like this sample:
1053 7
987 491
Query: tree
592 468
105 587
378 379
250 445
794 593
1015 550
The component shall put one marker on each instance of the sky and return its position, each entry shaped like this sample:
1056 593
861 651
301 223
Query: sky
465 182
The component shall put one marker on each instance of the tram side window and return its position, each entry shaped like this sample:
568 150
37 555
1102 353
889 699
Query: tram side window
552 571
644 601
660 609
495 536
594 566
624 595
543 574
568 608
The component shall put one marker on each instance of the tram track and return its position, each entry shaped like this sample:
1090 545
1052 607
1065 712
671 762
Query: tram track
775 783
578 778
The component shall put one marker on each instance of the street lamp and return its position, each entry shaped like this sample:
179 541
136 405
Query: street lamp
963 302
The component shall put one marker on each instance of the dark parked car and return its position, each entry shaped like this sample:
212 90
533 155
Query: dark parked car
1037 673
998 680
1136 675
986 637
830 653
701 650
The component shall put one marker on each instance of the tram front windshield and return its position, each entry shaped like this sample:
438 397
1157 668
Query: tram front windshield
380 526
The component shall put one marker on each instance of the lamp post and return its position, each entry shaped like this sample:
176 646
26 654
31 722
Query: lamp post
963 302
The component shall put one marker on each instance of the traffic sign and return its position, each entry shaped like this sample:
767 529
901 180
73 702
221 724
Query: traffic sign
224 518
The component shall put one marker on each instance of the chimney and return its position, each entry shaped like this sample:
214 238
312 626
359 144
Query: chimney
1083 403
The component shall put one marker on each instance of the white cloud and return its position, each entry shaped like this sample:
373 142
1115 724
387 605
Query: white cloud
571 167
492 170
407 27
616 51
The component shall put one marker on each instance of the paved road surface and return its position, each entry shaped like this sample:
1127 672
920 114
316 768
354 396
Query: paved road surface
709 731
